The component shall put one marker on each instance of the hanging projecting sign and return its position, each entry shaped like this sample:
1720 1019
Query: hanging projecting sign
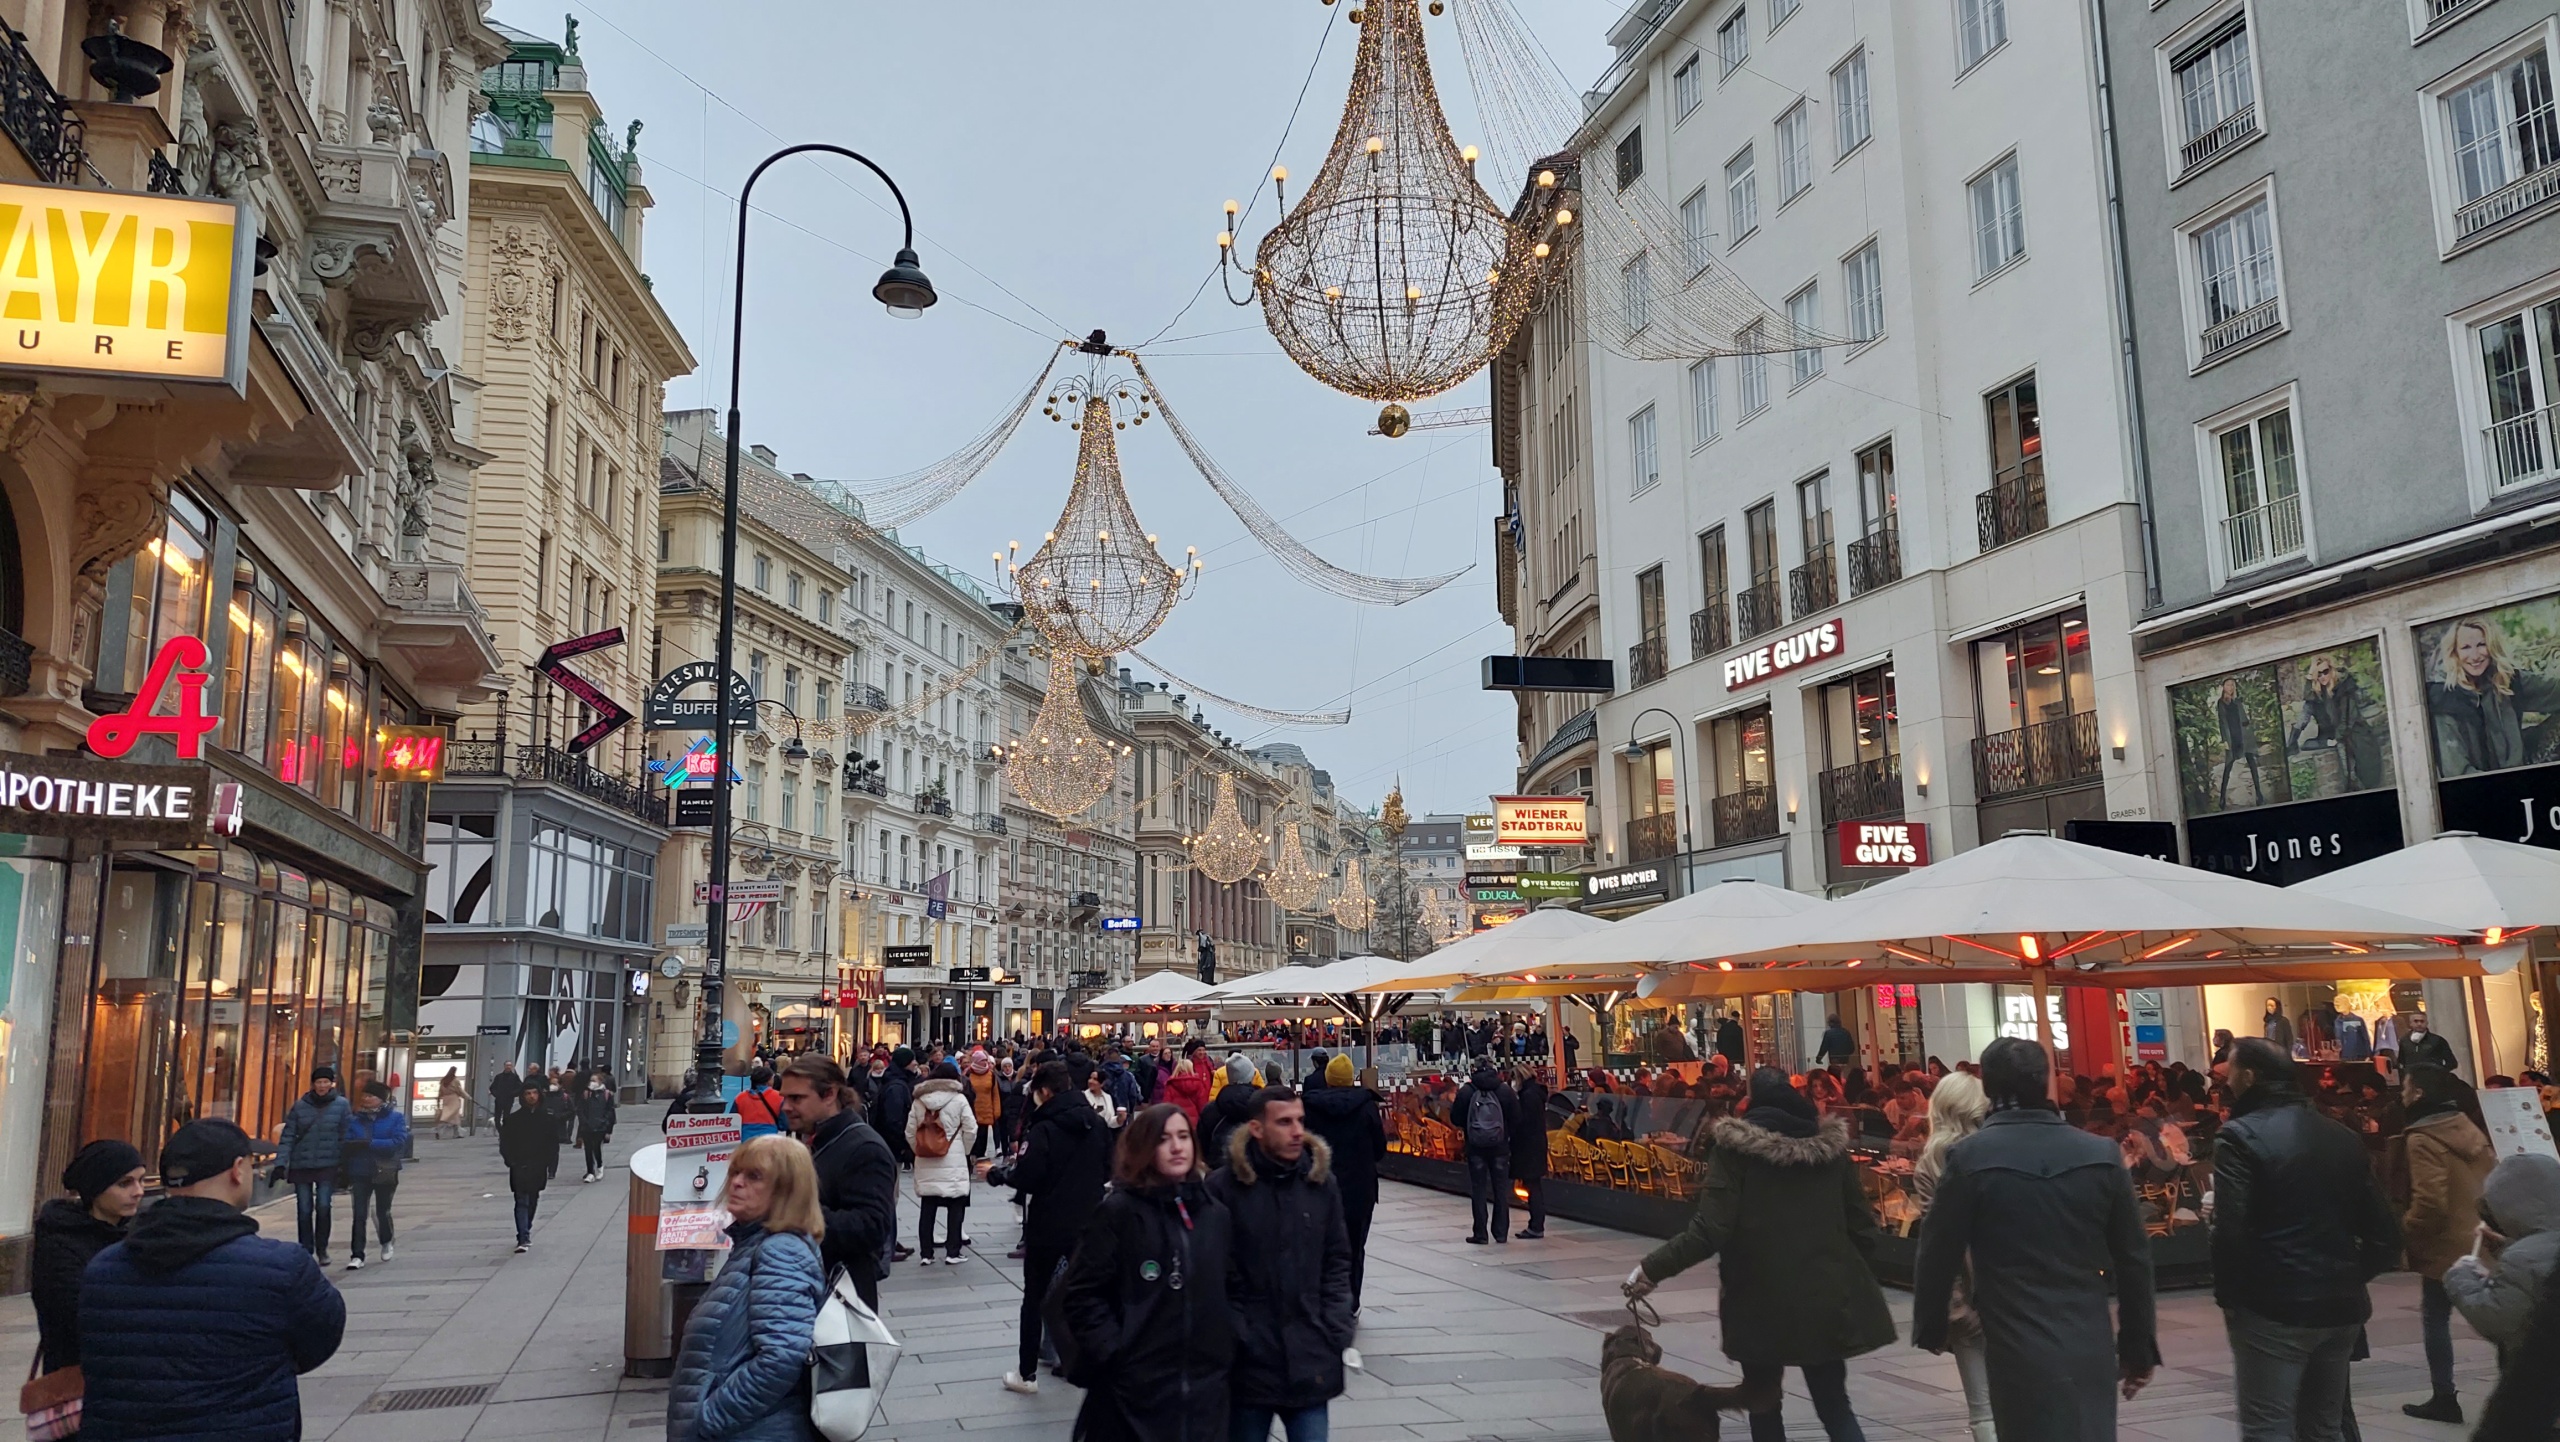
115 733
696 806
153 287
669 709
1539 820
610 716
413 753
116 801
1786 653
1884 843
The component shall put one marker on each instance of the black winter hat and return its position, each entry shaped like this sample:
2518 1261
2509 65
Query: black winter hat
98 1166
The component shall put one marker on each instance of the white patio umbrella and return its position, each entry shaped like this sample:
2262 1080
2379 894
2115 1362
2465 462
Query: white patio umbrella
1156 991
1526 943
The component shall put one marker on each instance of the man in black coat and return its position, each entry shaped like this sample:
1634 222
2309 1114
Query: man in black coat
2299 1227
887 1097
1065 1162
1487 1133
2047 1213
1529 1151
857 1173
529 1143
1289 1282
1345 1115
1729 1038
503 1090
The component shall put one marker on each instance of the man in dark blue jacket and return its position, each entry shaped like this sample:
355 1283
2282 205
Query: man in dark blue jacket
194 1326
377 1134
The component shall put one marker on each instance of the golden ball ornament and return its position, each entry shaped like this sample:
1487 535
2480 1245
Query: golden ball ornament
1394 421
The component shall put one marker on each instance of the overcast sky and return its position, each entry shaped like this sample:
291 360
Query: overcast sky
1066 165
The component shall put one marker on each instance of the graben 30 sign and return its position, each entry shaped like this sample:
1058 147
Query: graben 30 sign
151 287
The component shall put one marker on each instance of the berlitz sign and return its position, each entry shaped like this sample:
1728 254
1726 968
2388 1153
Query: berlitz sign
1539 820
1884 843
1786 653
121 802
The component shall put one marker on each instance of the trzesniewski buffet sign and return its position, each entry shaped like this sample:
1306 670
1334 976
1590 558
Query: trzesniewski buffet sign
152 287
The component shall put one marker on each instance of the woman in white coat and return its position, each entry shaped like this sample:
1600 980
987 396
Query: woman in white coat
941 1124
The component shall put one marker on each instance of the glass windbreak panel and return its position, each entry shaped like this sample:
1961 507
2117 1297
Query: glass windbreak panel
195 990
372 963
133 1019
260 1104
293 1018
234 931
2040 670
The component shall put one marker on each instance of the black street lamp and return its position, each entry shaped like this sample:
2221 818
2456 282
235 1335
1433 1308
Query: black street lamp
904 289
1635 752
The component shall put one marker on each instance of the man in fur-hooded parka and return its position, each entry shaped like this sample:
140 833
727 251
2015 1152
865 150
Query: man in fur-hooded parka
1783 1207
1289 1283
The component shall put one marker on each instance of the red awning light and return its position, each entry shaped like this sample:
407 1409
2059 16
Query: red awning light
2028 948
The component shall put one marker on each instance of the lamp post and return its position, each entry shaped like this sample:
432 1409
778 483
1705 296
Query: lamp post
1680 743
904 289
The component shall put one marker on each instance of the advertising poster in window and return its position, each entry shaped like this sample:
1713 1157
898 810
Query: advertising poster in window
2493 688
2304 728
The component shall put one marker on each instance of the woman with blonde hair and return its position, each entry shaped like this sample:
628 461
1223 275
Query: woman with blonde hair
1956 1110
739 1373
2479 700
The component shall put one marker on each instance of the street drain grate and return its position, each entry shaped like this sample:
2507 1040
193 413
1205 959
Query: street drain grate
428 1399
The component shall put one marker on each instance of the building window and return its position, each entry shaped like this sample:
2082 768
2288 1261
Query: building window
1875 558
755 672
2261 492
1753 364
1710 629
1982 26
1862 279
1630 157
1852 122
790 689
1862 747
755 791
1702 402
790 801
764 572
794 589
2237 293
1999 218
1757 611
2501 137
2037 718
1741 198
1780 11
1686 89
1745 805
1733 42
1643 457
827 606
1815 585
2014 505
1804 315
1648 662
1795 153
2520 372
1635 283
1697 226
2217 95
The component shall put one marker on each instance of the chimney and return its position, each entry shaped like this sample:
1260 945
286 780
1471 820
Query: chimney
763 453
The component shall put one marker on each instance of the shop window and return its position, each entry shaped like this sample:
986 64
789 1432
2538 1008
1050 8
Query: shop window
2038 707
1861 737
133 1016
461 849
171 590
2297 729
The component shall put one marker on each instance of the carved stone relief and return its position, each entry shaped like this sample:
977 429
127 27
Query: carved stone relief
239 157
519 259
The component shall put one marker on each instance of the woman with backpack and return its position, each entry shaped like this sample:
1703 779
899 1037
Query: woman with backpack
742 1372
940 1128
759 1107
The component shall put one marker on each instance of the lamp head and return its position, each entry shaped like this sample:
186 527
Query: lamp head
795 750
904 289
1633 752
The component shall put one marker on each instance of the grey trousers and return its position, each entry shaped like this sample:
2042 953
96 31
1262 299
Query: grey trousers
2291 1381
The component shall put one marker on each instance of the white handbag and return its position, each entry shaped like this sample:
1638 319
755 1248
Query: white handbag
851 1355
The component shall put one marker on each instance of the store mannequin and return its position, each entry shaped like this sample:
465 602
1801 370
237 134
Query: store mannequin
2275 1028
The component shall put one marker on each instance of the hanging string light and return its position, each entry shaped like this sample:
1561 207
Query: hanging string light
1293 883
1227 850
1396 276
1352 904
1060 765
1435 918
1096 586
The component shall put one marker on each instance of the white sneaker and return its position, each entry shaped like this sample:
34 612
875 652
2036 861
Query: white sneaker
386 1251
523 1247
355 1264
1351 1359
1014 1382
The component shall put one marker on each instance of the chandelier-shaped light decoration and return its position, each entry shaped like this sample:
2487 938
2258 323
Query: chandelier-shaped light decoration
1396 276
1352 905
1096 586
1293 883
1227 850
1435 918
1060 765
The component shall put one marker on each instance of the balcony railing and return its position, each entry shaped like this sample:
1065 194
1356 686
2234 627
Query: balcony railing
1815 585
1710 629
933 806
476 758
1652 836
2229 335
2441 11
561 768
1647 661
17 661
36 116
1875 559
2267 533
1756 611
2239 125
867 782
2013 508
859 696
2522 449
991 822
1744 815
2508 201
1862 789
2036 758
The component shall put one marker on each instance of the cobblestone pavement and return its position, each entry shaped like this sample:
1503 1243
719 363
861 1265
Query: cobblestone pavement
1460 1342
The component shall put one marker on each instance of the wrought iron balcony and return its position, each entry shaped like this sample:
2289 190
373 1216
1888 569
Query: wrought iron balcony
1756 611
1710 629
2013 508
1652 836
2514 198
933 806
1875 559
2045 755
2443 12
2270 532
476 758
1646 661
1745 815
1815 585
2233 332
36 116
561 768
2522 448
866 782
1861 790
2239 125
164 177
17 661
992 823
861 696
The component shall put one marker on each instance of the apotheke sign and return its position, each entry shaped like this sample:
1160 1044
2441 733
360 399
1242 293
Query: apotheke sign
116 801
1786 653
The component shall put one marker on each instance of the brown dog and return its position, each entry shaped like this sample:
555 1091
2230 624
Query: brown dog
1644 1403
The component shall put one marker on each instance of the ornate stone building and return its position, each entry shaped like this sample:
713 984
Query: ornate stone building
1062 880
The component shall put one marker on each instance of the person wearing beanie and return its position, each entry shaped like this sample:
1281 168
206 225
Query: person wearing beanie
106 1177
1227 1110
314 1141
377 1135
986 1098
1347 1116
1487 1117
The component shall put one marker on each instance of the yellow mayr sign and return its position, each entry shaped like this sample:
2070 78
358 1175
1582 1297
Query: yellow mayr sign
109 283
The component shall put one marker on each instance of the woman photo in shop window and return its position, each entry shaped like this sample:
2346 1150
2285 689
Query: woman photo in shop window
2480 700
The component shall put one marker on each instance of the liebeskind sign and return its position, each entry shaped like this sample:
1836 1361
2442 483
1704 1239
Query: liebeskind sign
1540 820
1785 653
118 801
1884 843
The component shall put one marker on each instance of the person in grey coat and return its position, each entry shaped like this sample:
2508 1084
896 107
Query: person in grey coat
308 1149
2047 1214
2495 1287
741 1372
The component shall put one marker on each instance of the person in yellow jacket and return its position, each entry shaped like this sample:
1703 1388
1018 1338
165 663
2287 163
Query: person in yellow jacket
986 1102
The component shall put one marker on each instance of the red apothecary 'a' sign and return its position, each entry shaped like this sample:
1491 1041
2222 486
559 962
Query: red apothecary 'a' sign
115 734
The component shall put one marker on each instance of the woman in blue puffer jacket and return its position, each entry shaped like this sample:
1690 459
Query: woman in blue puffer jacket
740 1371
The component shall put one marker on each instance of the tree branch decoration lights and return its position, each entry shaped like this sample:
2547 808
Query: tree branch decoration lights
1352 905
1227 850
1396 276
1293 883
1096 586
1059 765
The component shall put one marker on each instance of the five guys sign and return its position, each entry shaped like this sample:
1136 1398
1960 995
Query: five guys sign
609 717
